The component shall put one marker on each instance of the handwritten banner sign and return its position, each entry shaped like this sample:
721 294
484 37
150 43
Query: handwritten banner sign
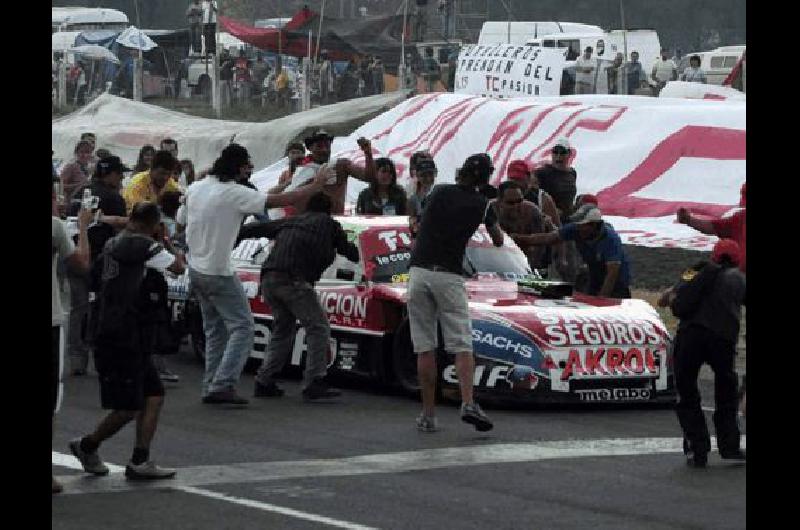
509 71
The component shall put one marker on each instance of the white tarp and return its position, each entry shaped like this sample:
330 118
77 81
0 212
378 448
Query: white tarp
507 71
123 126
643 157
684 89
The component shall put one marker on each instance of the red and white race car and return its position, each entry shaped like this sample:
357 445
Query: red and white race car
576 348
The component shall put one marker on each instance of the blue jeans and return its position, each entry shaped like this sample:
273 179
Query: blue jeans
228 327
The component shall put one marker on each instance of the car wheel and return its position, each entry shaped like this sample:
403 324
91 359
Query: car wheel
404 360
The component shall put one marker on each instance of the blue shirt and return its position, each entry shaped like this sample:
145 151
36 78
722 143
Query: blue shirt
596 253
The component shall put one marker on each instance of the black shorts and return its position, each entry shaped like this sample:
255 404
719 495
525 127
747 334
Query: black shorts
55 366
125 385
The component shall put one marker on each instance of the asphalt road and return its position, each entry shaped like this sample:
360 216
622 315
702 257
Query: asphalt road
361 463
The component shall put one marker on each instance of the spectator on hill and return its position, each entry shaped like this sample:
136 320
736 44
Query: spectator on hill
693 73
664 70
194 14
585 73
145 159
634 73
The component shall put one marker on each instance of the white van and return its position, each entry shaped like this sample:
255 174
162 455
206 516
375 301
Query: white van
87 18
607 45
519 33
717 64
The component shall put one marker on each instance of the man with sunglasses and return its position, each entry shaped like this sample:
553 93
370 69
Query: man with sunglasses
519 218
558 179
436 291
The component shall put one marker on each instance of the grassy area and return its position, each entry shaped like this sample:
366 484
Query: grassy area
651 297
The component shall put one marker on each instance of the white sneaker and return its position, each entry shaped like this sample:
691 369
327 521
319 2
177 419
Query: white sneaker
148 471
91 462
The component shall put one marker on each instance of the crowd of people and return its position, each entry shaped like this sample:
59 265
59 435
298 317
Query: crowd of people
164 219
627 77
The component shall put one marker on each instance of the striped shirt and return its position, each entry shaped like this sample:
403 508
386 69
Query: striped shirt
305 245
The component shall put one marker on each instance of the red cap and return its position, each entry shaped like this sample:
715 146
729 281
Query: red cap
726 247
589 199
743 196
518 170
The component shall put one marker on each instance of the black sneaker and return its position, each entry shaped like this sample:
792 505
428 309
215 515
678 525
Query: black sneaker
270 390
318 389
737 454
696 459
224 397
473 414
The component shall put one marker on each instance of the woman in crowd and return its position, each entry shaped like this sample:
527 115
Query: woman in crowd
188 172
425 172
76 174
383 196
145 159
693 73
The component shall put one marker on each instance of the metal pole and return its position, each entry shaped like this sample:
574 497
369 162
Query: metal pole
401 70
215 92
319 30
625 49
138 68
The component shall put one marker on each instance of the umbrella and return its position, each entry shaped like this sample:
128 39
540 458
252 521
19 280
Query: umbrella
137 39
93 51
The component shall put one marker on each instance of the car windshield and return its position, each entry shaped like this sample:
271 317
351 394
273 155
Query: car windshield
483 257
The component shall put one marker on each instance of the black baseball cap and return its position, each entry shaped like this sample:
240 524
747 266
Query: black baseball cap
318 135
426 165
480 162
111 164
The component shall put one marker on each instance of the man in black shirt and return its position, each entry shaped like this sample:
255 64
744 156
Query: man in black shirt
708 301
436 286
105 184
559 180
305 245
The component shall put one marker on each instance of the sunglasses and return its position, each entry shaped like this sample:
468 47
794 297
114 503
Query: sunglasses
560 151
516 201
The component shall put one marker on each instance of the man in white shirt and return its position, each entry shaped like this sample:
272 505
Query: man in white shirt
585 72
213 213
664 70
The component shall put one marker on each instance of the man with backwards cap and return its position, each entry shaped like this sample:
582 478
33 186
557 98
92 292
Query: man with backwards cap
708 300
436 289
319 144
601 249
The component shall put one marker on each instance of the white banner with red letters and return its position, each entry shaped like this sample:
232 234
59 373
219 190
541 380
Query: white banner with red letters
642 157
508 70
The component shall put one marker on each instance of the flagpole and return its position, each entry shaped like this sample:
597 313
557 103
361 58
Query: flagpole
401 82
319 31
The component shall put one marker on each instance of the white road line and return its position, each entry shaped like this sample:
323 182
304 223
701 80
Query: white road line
274 508
71 462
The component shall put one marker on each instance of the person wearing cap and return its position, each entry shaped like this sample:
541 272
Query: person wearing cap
600 247
424 173
105 185
436 290
519 171
559 180
519 218
319 143
213 213
708 301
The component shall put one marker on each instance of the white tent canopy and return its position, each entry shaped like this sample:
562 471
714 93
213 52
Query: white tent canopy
123 126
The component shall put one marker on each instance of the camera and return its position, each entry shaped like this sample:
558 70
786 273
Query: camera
89 201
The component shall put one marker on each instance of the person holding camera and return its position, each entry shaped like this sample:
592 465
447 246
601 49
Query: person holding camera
436 291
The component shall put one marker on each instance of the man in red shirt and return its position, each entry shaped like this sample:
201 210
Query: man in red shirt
732 227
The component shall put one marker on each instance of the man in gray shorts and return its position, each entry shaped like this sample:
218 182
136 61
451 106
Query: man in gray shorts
436 291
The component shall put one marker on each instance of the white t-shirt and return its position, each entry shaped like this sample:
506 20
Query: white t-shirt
209 15
213 213
581 63
62 248
160 261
